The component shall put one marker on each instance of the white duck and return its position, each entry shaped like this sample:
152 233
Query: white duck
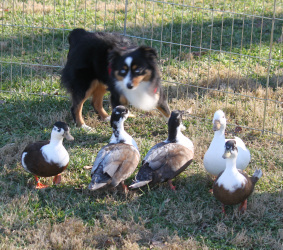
213 161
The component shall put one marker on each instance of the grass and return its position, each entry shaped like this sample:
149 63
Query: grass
224 65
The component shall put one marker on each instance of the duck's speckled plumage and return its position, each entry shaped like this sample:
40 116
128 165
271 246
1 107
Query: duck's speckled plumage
166 159
114 164
116 161
213 161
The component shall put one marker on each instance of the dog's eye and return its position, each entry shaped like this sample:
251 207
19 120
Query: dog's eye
123 72
138 71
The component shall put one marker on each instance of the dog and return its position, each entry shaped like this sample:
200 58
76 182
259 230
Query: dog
100 61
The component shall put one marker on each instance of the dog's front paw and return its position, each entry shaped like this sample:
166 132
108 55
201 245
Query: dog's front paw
107 119
86 128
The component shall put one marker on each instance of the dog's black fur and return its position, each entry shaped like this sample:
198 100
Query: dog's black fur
100 61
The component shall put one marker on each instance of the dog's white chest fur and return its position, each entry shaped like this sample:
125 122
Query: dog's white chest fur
139 96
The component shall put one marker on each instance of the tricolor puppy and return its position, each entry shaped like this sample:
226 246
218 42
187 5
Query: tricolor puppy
100 61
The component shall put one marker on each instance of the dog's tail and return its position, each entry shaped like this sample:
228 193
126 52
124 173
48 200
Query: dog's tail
76 35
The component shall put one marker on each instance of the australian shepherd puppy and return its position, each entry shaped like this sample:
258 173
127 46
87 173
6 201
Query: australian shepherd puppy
100 61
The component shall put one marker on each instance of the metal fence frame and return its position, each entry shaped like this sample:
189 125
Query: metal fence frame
269 59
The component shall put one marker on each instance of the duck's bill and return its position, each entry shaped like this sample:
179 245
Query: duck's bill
226 154
68 136
216 125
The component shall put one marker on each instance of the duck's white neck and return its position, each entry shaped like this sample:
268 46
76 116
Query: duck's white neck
231 178
220 132
119 135
181 139
231 165
180 136
56 139
119 130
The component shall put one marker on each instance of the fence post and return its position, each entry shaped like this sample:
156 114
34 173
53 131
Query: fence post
269 64
125 20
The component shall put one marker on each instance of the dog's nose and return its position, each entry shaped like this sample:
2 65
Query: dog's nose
129 85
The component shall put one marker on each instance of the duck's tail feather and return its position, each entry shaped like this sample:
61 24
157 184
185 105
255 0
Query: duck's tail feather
95 186
138 184
257 175
143 177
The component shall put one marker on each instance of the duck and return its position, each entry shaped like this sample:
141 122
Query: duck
116 161
167 159
233 186
49 157
213 161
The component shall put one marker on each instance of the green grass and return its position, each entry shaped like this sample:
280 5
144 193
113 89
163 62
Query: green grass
231 76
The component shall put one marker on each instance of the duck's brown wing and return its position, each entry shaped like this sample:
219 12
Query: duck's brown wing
35 146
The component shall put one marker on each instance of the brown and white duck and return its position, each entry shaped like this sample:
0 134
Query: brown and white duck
166 159
116 161
48 158
233 186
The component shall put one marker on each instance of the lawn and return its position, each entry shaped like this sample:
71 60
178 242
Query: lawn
212 55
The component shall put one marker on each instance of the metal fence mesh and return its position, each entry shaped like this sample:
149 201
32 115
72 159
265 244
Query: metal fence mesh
225 49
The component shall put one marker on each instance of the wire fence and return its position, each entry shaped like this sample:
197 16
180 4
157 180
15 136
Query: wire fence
228 50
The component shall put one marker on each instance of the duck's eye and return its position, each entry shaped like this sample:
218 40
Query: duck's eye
59 130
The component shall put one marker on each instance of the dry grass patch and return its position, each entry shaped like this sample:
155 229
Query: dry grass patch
110 7
74 234
30 7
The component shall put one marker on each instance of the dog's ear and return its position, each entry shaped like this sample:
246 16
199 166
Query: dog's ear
148 51
112 54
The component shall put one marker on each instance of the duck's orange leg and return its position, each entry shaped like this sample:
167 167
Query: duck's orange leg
223 209
125 188
57 179
39 185
171 185
243 206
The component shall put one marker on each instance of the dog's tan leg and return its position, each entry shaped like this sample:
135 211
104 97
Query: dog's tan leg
78 106
97 100
78 113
